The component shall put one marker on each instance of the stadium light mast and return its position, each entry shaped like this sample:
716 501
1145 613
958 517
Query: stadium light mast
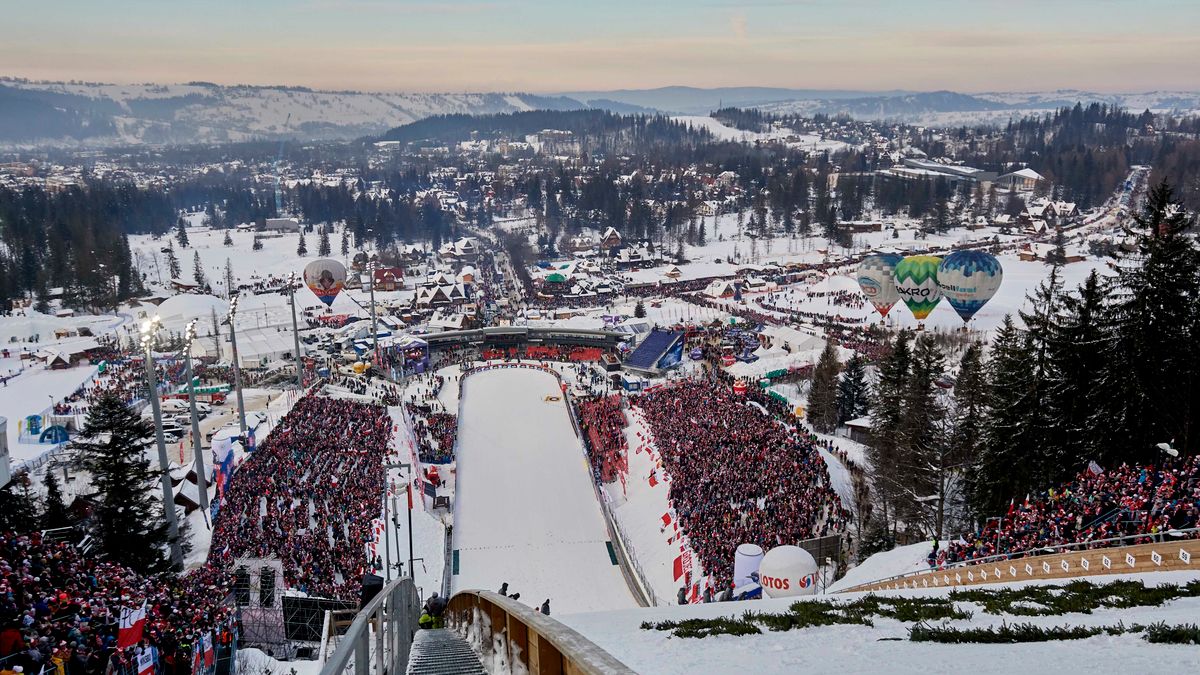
371 267
292 284
150 329
197 443
237 369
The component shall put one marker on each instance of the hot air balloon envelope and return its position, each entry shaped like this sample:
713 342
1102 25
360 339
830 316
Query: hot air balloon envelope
968 279
877 279
325 278
916 282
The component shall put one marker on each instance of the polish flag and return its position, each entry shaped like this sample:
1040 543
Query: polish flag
666 519
132 624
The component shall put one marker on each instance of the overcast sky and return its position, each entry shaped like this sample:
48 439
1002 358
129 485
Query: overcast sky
545 46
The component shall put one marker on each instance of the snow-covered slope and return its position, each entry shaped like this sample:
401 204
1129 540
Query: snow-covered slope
202 112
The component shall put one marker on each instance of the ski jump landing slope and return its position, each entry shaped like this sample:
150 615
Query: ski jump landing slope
525 511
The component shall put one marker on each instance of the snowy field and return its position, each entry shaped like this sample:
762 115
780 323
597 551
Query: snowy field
525 510
884 647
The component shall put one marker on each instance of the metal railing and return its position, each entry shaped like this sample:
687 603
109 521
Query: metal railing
508 634
1094 544
390 620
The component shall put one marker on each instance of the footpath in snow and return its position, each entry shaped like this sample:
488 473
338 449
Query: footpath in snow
525 510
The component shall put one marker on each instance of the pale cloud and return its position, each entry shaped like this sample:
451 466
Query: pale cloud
737 23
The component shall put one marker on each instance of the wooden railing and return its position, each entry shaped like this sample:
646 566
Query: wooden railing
1167 555
504 631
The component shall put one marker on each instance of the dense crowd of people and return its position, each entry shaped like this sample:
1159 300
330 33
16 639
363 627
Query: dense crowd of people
602 420
61 608
127 378
436 434
1098 504
737 475
308 496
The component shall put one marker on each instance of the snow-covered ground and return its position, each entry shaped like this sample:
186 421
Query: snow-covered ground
884 647
525 510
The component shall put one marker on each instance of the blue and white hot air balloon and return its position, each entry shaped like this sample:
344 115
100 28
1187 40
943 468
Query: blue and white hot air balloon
968 279
877 279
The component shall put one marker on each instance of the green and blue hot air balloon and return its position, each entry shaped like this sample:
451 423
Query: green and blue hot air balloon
916 282
969 279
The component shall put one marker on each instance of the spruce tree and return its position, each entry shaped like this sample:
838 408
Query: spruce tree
173 262
639 310
18 511
345 242
198 270
927 467
129 521
228 239
55 514
887 414
969 417
323 243
823 393
1157 325
301 247
181 233
1079 389
853 397
1006 466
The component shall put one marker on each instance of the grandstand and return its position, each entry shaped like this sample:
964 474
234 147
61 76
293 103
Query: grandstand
659 351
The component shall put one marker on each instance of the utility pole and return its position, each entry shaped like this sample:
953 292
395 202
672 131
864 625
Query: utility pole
197 444
237 369
150 330
295 332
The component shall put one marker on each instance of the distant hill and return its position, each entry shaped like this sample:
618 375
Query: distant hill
93 114
64 114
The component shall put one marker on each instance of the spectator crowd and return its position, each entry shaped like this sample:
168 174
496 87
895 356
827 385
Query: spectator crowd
1098 504
308 496
737 475
601 420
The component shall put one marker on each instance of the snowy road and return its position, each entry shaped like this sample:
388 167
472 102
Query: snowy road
525 510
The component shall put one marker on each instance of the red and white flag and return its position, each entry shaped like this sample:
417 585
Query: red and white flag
666 519
678 568
145 663
132 624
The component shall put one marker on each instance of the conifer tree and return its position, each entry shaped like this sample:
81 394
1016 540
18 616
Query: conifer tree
927 467
969 417
18 511
887 414
129 521
198 270
853 396
229 289
173 262
181 234
1157 331
323 243
1005 467
228 239
345 242
55 514
1078 389
823 393
301 247
639 310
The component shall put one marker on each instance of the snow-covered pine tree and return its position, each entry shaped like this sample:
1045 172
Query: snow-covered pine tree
301 247
926 466
228 239
129 521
